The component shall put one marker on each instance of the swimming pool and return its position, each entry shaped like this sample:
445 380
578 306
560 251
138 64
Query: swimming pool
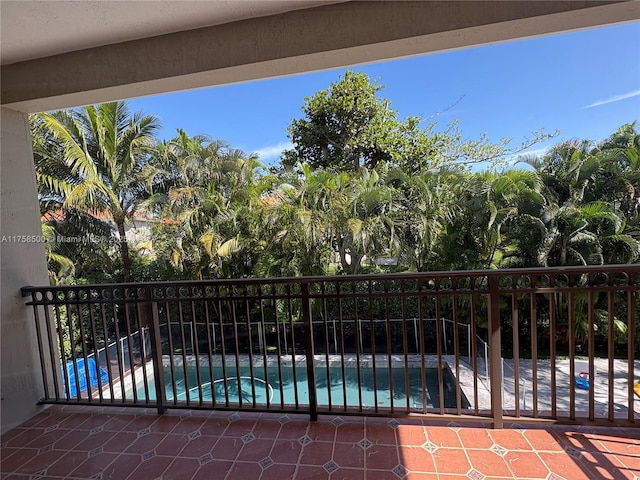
332 388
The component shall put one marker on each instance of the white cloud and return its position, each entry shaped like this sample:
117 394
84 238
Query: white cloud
535 152
273 151
615 98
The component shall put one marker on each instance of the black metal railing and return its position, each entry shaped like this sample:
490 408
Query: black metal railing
554 343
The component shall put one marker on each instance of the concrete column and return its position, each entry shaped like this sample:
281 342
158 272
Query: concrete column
22 263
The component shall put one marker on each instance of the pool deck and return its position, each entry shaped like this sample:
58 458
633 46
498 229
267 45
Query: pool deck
74 442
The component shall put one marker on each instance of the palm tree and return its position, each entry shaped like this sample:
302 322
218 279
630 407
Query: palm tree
426 205
92 160
323 212
301 221
619 182
573 235
516 205
584 190
210 198
367 225
496 223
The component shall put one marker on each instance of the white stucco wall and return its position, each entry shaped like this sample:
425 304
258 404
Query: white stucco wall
22 263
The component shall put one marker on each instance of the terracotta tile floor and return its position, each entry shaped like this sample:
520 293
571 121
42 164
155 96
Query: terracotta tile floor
109 443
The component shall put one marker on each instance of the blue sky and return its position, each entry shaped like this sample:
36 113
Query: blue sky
585 84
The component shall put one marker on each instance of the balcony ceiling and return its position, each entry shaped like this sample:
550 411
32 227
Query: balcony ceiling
61 54
35 29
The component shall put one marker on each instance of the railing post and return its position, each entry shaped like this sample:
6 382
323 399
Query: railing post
495 351
308 350
43 367
486 360
150 309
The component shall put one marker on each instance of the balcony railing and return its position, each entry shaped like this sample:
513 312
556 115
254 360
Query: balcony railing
525 344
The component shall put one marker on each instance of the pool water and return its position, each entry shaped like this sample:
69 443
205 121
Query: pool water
279 387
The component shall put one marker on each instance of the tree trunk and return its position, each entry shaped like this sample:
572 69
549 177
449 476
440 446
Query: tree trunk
356 262
124 253
563 253
343 255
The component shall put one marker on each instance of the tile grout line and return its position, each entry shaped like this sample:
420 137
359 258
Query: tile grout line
435 465
597 443
333 447
508 464
364 454
537 452
471 467
624 465
426 439
295 473
544 464
260 417
396 436
233 460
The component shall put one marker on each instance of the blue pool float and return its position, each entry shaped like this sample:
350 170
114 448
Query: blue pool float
93 372
582 381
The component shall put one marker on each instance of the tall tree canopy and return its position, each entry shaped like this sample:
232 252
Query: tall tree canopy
349 127
365 187
345 127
